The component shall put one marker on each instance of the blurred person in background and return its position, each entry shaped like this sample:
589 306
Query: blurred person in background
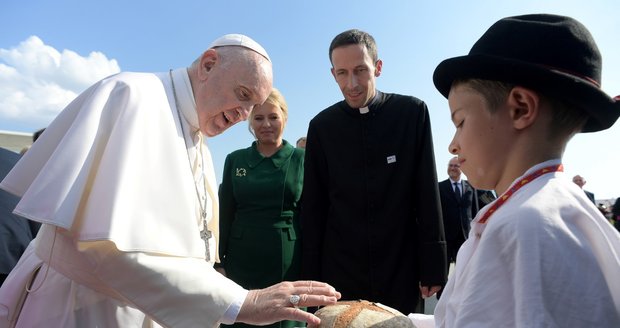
460 202
15 232
615 214
581 181
301 142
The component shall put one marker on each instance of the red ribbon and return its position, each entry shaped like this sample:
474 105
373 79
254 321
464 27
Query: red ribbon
516 186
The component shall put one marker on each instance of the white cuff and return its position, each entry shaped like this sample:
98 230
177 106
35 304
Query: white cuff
422 320
233 310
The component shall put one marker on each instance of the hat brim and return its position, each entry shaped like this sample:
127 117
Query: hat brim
603 110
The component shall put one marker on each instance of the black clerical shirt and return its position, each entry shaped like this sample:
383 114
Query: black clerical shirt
371 218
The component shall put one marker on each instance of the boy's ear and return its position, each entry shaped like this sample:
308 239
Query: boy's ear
524 106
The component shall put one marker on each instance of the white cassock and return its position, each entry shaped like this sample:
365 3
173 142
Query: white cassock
120 245
546 258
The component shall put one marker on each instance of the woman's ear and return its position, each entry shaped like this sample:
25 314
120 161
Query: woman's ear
524 106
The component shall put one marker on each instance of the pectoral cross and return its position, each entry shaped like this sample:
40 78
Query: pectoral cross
205 235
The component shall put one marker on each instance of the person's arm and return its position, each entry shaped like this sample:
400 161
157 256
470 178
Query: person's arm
188 292
227 211
432 253
174 291
314 204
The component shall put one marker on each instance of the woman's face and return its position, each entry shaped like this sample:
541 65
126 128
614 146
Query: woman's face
268 124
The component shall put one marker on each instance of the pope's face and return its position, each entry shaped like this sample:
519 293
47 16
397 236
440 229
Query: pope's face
355 74
229 87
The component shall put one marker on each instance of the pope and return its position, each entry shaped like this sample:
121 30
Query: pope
123 184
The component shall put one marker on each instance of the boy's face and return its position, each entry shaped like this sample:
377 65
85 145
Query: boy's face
481 139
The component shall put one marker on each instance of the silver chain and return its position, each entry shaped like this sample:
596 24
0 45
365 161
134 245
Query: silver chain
205 234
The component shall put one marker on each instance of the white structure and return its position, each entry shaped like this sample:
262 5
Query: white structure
15 141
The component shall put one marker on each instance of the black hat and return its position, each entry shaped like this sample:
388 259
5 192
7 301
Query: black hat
555 55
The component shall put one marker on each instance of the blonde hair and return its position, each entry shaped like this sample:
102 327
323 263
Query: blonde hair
275 98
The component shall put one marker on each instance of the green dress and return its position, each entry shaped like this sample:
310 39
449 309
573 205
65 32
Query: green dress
259 224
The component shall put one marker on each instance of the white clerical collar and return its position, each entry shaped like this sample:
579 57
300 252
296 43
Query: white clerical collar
366 109
185 97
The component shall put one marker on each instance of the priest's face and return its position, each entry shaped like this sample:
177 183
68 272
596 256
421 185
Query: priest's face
355 73
231 81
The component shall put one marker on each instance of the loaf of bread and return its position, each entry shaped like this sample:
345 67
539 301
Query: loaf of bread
361 314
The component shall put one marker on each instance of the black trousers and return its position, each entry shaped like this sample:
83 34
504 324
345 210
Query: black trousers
452 248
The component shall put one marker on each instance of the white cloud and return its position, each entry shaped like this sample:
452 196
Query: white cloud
37 81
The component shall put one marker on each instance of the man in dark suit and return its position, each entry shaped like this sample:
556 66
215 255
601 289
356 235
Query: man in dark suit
580 181
459 204
15 232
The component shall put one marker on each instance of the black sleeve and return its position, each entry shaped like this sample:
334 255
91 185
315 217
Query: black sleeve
314 205
432 247
228 207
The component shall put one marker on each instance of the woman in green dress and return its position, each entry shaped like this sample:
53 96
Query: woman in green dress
259 205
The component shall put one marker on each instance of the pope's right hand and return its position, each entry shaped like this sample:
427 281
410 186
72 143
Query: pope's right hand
281 301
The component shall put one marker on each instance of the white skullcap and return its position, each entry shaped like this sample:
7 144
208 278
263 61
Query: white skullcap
241 41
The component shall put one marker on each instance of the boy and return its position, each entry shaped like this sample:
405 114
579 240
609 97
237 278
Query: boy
541 254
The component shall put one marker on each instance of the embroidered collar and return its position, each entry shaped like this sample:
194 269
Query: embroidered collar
530 175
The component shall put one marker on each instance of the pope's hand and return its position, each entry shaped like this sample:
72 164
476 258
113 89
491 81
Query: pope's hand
276 303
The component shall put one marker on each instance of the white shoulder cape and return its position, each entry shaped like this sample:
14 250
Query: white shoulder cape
113 166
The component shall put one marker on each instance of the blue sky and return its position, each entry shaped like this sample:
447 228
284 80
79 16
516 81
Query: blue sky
52 50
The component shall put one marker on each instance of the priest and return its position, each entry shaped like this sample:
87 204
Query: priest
371 216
